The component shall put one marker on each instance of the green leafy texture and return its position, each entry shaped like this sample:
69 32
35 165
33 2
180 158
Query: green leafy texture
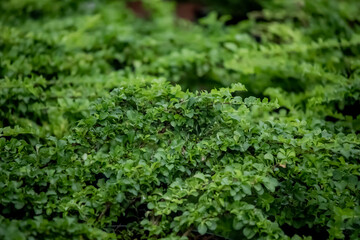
139 153
272 145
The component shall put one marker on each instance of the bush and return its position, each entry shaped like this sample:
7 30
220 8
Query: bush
113 126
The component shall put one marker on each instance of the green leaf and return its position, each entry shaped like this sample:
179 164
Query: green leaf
249 232
270 183
237 225
120 197
269 156
151 205
246 188
281 156
202 229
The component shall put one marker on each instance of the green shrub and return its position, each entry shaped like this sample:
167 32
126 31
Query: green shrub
113 126
162 162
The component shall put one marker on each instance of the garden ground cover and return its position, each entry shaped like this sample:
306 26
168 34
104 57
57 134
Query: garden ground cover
117 127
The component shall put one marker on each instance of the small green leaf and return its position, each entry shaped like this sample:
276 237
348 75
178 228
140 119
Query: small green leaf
202 228
281 156
246 188
151 205
249 232
120 197
269 156
270 184
237 225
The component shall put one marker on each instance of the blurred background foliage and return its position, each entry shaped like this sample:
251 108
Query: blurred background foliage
61 54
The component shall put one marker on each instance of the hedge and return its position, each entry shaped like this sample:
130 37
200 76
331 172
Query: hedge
117 127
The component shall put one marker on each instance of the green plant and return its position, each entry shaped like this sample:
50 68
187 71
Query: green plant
113 126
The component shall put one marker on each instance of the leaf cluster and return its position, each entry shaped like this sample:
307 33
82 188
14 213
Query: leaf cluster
115 127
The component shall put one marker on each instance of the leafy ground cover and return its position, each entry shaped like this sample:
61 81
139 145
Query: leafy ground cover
118 127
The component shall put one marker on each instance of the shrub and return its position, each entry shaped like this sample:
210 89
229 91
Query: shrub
113 126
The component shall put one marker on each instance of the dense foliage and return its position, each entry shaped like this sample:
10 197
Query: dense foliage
117 127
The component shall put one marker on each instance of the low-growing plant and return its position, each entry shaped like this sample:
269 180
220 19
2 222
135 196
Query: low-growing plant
118 127
156 162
